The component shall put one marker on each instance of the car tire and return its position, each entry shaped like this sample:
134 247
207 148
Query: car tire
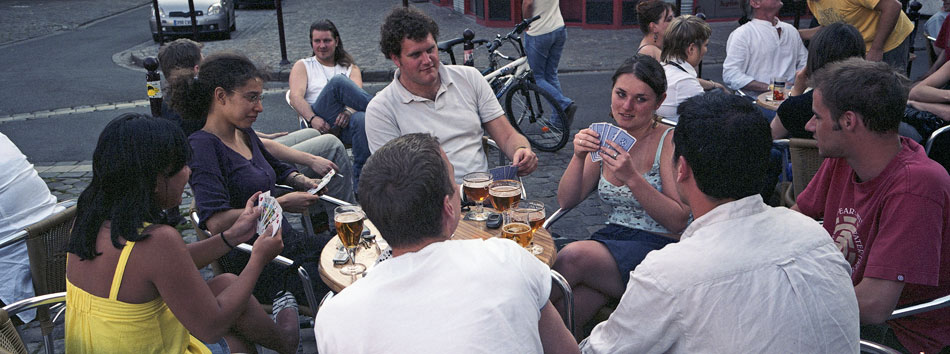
156 38
233 25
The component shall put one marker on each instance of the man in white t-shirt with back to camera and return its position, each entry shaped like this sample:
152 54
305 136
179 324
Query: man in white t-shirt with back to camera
437 295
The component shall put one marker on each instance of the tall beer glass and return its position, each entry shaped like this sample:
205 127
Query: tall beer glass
349 226
504 193
533 213
476 186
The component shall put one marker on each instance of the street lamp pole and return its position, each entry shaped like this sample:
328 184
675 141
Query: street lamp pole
280 33
158 22
194 20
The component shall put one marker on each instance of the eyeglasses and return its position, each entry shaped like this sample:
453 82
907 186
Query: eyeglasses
252 97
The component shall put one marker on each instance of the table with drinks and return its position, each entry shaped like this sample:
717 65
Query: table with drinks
521 223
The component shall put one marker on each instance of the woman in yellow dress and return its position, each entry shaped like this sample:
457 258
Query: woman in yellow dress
133 284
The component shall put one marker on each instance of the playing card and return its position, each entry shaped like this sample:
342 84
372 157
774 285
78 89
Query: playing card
271 214
624 140
503 172
323 182
599 128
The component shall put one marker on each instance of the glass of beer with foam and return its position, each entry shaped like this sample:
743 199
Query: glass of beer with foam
504 193
516 227
532 213
476 186
349 226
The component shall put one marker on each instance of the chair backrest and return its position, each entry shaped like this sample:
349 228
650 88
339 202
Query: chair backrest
300 119
46 243
938 146
805 162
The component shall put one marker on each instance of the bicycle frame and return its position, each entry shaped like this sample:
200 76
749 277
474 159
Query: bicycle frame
520 67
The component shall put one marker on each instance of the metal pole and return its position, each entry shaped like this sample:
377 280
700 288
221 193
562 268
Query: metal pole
280 32
914 16
153 83
158 22
194 20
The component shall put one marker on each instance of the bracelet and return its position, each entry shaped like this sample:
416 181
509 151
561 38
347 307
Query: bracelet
310 121
521 147
226 241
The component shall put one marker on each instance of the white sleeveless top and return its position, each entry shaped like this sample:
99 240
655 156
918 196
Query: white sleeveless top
318 75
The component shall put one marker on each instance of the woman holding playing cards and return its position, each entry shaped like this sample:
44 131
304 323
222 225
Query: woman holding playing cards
230 164
131 283
646 213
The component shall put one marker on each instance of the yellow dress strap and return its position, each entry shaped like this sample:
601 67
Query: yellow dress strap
120 270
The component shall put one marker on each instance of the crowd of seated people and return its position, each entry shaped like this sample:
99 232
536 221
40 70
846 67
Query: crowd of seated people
692 259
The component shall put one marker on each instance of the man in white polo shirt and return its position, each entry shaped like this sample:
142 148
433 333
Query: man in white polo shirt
451 102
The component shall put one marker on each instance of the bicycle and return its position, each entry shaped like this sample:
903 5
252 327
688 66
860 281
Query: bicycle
524 102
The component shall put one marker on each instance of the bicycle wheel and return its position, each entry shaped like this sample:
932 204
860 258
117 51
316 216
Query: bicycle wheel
535 114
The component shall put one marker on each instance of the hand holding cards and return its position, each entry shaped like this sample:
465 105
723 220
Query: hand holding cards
504 172
610 132
271 214
323 182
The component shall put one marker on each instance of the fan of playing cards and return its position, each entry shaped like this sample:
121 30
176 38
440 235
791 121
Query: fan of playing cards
610 132
271 214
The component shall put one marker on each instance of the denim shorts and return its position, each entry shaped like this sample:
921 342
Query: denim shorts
629 246
220 347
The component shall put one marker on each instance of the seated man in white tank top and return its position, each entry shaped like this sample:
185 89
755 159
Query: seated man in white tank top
328 86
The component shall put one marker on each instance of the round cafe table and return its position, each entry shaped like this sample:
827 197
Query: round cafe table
764 100
467 229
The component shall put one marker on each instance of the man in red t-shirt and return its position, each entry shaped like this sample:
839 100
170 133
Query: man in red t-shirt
886 204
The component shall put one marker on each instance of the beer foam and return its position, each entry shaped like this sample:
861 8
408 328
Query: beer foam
348 217
476 185
506 191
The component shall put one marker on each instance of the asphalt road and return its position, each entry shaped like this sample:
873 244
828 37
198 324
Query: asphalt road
73 68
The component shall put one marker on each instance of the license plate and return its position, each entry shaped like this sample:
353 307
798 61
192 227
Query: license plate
182 22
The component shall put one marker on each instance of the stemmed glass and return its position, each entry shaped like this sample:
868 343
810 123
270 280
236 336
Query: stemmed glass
504 194
476 185
349 226
532 212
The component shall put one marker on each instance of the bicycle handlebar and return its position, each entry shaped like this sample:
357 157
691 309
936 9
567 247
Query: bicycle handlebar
468 37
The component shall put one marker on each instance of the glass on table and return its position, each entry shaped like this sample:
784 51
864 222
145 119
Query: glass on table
777 86
476 185
532 213
516 227
349 226
504 193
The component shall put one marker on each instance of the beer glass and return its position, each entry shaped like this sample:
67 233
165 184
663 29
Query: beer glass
516 228
349 226
532 212
476 186
504 193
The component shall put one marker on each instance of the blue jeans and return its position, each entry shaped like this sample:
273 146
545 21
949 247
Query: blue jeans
339 93
544 54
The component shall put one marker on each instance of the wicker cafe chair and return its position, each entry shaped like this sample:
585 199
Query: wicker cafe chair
10 340
805 163
46 245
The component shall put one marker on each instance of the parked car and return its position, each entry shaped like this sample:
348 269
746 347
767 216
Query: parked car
212 16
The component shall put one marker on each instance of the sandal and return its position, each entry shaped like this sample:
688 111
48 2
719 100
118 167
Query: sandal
284 300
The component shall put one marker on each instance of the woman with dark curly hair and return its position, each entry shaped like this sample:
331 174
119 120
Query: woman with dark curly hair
230 164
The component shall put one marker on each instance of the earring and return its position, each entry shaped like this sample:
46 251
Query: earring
655 37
